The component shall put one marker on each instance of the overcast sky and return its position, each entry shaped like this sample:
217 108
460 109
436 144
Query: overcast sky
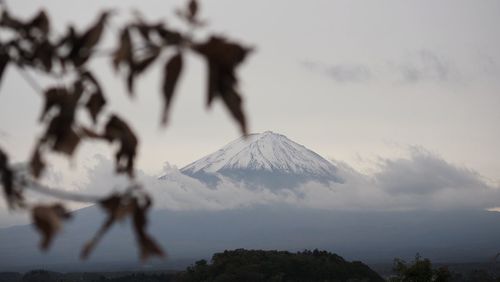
351 80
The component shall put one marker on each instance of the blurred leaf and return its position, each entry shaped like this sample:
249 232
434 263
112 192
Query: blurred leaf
54 97
124 52
222 52
66 143
172 72
41 22
151 55
48 221
137 67
7 177
95 104
81 46
148 246
37 164
89 133
190 14
44 54
8 21
222 59
92 36
193 9
233 102
96 101
4 61
117 207
60 133
118 130
169 36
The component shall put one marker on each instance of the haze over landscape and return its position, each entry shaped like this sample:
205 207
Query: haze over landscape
300 201
373 135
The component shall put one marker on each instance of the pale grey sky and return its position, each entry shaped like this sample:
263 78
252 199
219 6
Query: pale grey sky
352 80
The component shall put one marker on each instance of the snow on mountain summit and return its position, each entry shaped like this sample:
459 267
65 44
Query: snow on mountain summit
263 156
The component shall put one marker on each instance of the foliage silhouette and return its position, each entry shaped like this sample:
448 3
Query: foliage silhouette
33 46
259 265
420 270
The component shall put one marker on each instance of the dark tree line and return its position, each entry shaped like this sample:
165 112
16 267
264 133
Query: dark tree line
258 265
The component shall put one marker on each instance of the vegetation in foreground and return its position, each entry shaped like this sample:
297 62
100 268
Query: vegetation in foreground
237 265
258 265
421 270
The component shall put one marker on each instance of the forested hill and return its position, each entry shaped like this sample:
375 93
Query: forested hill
257 265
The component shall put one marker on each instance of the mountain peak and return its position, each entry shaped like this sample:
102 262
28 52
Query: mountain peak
263 158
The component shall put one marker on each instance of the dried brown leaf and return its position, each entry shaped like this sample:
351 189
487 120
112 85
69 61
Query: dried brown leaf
44 54
139 66
40 22
85 132
48 221
190 14
124 51
222 58
213 82
54 97
81 46
6 175
222 52
233 102
172 72
92 36
117 206
130 82
193 8
117 130
95 104
96 100
37 164
169 36
13 194
67 142
4 61
7 20
60 134
148 246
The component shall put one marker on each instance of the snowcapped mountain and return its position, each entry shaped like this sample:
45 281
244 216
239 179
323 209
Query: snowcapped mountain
267 159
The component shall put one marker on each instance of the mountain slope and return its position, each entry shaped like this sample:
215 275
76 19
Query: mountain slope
268 159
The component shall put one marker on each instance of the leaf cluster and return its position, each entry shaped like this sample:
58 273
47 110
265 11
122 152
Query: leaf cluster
31 45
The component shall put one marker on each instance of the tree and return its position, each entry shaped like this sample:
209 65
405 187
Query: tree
420 270
32 45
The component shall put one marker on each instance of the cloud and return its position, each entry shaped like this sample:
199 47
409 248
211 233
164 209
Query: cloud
340 72
420 66
489 67
425 65
425 173
421 181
